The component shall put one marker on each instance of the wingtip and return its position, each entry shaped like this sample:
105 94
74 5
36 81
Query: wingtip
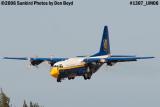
1 58
149 57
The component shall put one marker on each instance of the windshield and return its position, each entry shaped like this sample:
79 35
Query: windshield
60 66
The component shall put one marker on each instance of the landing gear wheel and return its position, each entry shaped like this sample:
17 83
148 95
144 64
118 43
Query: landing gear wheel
88 73
59 79
69 78
89 77
72 77
85 76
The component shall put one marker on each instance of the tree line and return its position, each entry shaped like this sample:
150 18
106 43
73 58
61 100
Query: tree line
5 101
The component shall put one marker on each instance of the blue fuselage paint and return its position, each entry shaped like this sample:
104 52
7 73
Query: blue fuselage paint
74 71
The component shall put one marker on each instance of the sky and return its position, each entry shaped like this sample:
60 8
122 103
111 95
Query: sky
68 31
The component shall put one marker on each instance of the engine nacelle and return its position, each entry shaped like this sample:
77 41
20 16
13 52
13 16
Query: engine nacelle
51 64
111 63
35 63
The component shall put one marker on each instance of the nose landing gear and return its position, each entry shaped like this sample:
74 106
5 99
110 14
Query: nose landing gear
69 78
59 79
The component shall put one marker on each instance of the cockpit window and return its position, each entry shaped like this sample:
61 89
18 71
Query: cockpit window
60 66
55 66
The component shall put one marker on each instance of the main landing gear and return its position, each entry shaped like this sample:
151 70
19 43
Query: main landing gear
88 74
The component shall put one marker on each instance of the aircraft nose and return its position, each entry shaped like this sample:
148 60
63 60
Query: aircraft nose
54 72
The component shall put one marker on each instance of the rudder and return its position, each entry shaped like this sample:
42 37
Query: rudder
105 45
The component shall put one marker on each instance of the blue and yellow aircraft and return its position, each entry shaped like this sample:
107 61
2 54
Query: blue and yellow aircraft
83 65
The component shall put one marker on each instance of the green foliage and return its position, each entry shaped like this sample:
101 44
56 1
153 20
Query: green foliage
25 104
4 100
31 104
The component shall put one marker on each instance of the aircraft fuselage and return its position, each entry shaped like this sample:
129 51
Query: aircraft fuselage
73 67
69 68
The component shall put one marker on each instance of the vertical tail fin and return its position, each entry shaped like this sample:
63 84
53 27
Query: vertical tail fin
105 45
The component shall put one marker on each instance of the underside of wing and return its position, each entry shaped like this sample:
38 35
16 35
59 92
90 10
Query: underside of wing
16 58
125 59
123 55
115 59
37 60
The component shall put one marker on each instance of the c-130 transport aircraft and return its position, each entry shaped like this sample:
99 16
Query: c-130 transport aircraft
85 66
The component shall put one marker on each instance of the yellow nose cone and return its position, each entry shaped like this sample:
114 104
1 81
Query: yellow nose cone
54 72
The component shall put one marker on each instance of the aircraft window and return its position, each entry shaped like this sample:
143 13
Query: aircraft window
55 65
60 66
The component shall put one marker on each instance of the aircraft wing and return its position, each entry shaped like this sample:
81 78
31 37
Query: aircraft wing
37 60
125 59
123 55
115 59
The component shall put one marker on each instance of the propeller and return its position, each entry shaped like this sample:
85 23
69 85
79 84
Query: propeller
51 63
31 63
35 63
